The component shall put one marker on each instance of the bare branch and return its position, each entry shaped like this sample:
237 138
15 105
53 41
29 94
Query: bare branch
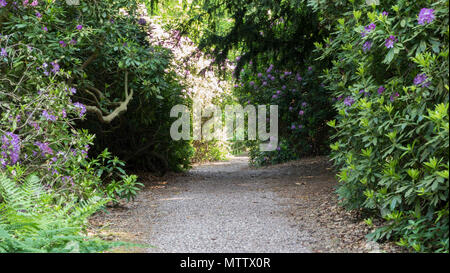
116 112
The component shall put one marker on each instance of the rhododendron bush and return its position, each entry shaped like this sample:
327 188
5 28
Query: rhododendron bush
64 68
389 76
304 107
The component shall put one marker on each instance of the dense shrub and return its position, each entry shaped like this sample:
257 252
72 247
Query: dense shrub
389 76
42 49
274 34
304 108
45 79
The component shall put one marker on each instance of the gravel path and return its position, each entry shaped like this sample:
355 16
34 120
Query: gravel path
224 207
230 207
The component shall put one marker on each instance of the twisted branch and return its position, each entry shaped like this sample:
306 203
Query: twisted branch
116 112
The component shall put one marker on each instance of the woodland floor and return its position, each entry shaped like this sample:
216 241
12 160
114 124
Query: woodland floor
231 207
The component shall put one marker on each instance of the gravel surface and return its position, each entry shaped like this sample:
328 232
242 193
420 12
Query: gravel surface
230 207
224 207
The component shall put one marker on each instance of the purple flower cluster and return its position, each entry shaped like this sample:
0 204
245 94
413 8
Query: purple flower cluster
81 107
367 46
142 21
10 149
393 96
364 92
48 116
44 148
55 67
389 43
368 29
425 16
348 101
3 52
381 90
66 179
421 80
3 3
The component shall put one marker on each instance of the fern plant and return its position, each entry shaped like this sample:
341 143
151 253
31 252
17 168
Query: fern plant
31 222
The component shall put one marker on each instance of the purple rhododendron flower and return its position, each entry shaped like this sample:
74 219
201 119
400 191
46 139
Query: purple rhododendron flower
81 107
48 116
367 46
304 104
79 27
259 75
385 13
421 79
3 3
381 90
3 52
301 113
10 149
393 96
142 21
348 101
38 15
425 16
252 83
45 29
55 66
390 41
368 29
35 125
293 127
44 147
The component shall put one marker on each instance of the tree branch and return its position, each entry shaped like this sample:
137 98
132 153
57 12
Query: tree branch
116 112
